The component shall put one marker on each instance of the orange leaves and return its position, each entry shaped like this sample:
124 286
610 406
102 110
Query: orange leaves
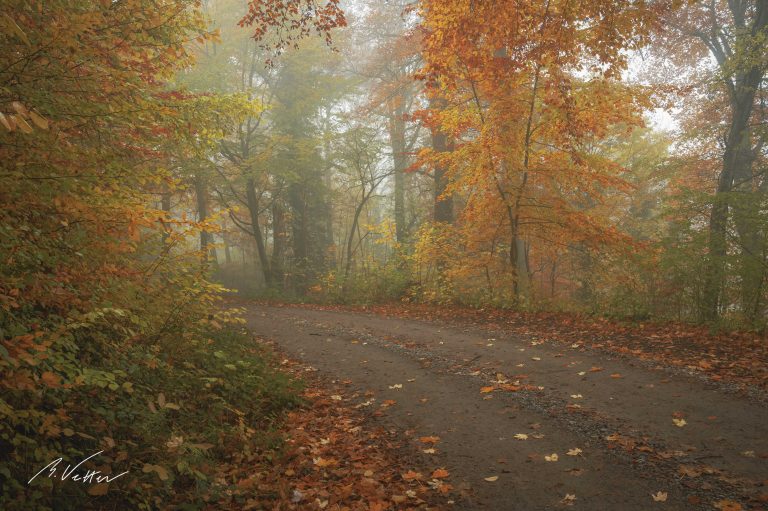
440 473
523 117
728 505
429 439
51 379
412 476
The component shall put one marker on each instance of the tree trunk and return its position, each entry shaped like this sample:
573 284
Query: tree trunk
253 208
299 228
397 143
350 241
738 159
278 243
165 204
201 195
443 205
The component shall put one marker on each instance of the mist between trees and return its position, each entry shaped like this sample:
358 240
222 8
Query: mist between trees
155 153
502 158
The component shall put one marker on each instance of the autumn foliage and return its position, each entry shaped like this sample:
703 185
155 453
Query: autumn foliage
106 312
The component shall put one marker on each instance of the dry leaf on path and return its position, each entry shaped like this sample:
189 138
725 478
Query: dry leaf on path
440 473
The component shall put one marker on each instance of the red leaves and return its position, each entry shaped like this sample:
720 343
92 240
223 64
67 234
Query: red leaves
335 460
292 20
733 356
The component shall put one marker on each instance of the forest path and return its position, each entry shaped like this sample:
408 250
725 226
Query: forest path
625 417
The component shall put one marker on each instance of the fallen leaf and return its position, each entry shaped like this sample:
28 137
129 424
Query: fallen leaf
428 451
582 373
336 397
551 457
616 375
485 390
660 496
679 422
536 358
568 500
412 475
429 439
440 473
521 436
322 463
98 489
576 396
396 386
595 369
728 505
574 452
491 479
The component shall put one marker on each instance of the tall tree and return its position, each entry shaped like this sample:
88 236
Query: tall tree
735 34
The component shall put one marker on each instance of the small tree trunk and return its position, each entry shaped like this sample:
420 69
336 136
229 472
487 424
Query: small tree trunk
253 208
397 143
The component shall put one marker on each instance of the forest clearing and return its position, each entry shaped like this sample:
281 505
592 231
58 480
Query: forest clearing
384 255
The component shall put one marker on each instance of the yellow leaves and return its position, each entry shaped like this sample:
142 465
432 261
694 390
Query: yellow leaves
20 119
5 121
521 436
551 457
568 500
23 125
161 471
679 422
491 479
574 452
161 401
660 496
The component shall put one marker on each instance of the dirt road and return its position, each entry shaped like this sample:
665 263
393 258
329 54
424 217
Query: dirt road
626 436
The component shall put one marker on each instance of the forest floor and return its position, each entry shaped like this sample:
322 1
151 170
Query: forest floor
508 413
